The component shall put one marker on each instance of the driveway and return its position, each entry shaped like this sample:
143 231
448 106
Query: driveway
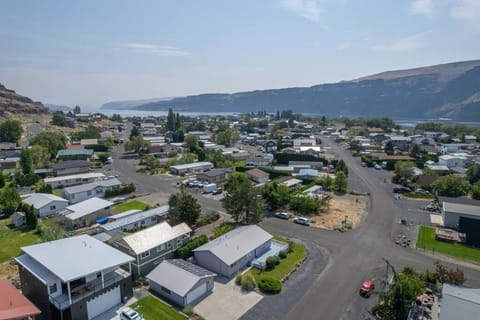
227 302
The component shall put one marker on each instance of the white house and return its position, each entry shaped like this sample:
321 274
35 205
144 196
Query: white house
452 161
83 192
86 213
46 204
72 180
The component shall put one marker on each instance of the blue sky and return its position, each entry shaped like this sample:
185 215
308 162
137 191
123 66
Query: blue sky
92 52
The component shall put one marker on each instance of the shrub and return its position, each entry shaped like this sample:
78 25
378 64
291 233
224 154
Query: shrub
272 262
207 218
248 282
223 228
188 311
290 246
185 251
238 279
269 284
282 254
129 188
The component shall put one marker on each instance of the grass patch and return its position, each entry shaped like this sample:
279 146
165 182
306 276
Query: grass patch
286 265
57 192
426 240
153 309
131 205
13 239
413 195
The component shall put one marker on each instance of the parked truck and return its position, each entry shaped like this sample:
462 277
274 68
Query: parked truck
208 188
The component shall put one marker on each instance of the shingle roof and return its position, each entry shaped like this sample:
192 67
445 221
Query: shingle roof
235 244
13 304
152 237
71 164
39 200
75 257
178 275
86 207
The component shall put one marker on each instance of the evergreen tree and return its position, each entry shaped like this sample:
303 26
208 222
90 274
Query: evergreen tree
26 161
170 120
10 131
389 147
183 208
77 110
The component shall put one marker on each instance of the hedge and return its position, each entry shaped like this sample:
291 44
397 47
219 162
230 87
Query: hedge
208 218
129 188
269 284
185 251
284 158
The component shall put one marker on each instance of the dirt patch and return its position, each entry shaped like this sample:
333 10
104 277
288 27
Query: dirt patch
341 206
155 199
9 271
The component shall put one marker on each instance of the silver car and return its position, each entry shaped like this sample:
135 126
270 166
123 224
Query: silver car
302 220
130 314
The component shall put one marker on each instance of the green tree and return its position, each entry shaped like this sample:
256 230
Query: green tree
58 119
10 131
152 163
404 171
109 142
91 132
276 196
170 120
77 110
183 208
389 147
242 201
134 132
340 182
304 204
30 215
415 151
227 137
52 141
451 186
137 144
475 190
190 141
40 156
473 173
2 180
9 199
26 161
341 166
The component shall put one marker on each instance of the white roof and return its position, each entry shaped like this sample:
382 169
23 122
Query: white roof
461 208
92 185
192 165
459 303
291 182
39 200
74 257
86 207
88 175
235 244
152 237
448 157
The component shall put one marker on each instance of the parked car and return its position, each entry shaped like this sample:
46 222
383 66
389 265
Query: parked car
422 191
283 215
377 166
130 314
367 288
302 220
217 191
401 190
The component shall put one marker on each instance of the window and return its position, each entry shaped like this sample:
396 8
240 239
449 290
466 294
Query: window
52 288
169 245
161 248
179 242
145 254
53 207
99 274
72 196
153 219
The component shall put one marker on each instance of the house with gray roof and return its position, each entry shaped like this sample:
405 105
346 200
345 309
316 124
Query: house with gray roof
46 204
82 192
74 278
233 251
149 247
70 167
85 213
75 154
73 180
181 282
139 219
459 303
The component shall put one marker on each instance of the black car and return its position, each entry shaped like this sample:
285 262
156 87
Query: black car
401 190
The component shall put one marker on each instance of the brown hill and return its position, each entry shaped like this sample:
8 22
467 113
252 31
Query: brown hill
14 103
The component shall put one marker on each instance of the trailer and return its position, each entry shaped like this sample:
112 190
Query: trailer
208 188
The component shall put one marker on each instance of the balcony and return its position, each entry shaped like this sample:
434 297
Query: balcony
84 291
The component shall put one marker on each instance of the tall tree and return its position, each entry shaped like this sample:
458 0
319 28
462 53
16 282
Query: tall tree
473 173
58 119
183 208
475 191
9 199
389 147
451 186
340 182
190 141
134 132
404 171
227 137
26 161
170 120
40 156
52 141
10 131
77 110
341 166
137 144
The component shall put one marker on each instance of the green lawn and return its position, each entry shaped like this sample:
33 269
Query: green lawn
11 240
286 265
413 195
153 309
131 205
426 240
57 192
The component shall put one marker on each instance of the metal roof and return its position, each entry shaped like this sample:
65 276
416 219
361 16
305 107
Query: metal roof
92 185
71 164
178 275
75 257
75 176
459 303
152 237
39 200
257 173
66 152
235 244
120 223
124 214
13 304
192 165
467 209
86 207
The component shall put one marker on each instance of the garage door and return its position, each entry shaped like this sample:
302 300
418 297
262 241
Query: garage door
196 293
103 302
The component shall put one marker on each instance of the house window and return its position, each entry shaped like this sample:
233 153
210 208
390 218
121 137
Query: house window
169 245
161 248
52 288
53 207
179 242
145 254
99 274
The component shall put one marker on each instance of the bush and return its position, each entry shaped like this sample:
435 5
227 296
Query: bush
282 254
238 279
188 311
207 218
272 262
223 228
129 188
248 282
268 284
185 251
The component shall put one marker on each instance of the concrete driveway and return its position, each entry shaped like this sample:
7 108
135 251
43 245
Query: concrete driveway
227 301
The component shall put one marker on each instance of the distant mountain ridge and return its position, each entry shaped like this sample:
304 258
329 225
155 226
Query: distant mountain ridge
449 90
12 102
129 104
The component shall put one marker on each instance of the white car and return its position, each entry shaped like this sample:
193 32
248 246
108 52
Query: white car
302 220
130 314
283 215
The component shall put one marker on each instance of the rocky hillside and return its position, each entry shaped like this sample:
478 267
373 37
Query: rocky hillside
11 102
448 90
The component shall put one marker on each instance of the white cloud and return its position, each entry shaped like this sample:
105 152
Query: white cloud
412 42
467 10
154 49
308 9
422 7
